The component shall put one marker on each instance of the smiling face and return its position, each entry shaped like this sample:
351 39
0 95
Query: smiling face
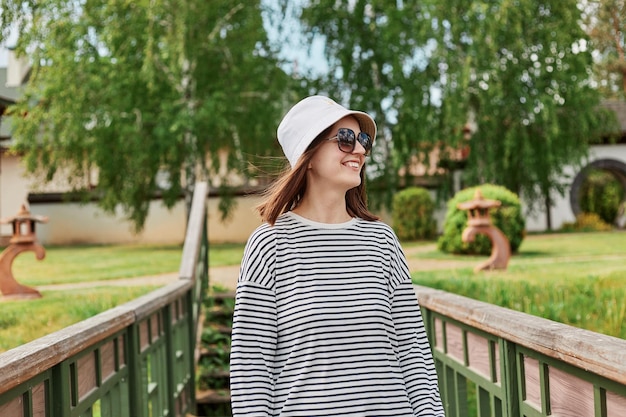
330 168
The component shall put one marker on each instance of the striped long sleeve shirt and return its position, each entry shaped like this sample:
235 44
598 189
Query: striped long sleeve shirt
326 323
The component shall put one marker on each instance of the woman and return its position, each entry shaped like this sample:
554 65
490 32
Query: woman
326 322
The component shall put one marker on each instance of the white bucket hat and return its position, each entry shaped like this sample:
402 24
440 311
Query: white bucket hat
310 117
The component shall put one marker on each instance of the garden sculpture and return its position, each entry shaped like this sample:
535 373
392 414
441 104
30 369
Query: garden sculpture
479 222
23 240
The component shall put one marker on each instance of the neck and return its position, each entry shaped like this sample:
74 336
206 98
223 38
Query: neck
324 210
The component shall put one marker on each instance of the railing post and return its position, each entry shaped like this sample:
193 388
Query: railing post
192 347
135 380
61 391
511 384
170 354
199 272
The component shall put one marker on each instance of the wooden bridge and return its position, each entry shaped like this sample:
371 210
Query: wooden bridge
139 359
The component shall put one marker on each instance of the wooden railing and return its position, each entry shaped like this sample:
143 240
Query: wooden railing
496 362
135 360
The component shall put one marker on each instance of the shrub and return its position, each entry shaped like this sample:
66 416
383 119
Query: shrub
587 222
508 218
412 214
601 193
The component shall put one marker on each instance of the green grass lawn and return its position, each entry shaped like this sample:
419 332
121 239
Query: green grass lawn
578 279
225 254
70 264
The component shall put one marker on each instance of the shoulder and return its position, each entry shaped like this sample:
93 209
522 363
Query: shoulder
259 256
265 236
379 228
262 237
384 235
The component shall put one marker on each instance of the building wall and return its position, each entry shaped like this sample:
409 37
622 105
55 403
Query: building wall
238 227
72 223
13 188
75 223
562 210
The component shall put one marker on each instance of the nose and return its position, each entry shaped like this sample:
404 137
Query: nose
358 148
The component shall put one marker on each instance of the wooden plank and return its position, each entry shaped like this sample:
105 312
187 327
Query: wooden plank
86 377
478 353
24 362
594 352
107 360
39 401
532 383
615 404
14 408
438 342
147 304
454 342
213 396
570 396
191 247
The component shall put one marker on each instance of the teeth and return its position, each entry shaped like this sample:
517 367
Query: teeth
352 164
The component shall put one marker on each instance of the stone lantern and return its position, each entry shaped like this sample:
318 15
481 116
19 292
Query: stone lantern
479 222
23 239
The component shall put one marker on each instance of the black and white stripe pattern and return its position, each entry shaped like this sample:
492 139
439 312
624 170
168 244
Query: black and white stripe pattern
326 323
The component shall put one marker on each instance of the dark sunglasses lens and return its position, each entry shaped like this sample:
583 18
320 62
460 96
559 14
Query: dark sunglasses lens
346 140
366 141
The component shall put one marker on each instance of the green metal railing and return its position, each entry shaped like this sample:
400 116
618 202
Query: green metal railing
135 360
493 361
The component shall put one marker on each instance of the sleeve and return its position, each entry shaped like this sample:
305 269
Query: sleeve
254 332
414 354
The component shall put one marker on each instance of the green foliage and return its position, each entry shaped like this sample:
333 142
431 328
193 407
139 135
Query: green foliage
8 320
508 218
412 214
601 193
515 73
140 91
586 222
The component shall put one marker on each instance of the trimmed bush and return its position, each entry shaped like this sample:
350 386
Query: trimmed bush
508 218
412 214
587 222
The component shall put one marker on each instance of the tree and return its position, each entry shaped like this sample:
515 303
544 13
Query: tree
377 55
516 72
528 84
150 95
604 21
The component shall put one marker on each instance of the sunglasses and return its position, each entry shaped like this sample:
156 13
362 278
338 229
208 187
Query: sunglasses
346 140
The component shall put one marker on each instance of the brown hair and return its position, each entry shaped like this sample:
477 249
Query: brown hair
286 192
